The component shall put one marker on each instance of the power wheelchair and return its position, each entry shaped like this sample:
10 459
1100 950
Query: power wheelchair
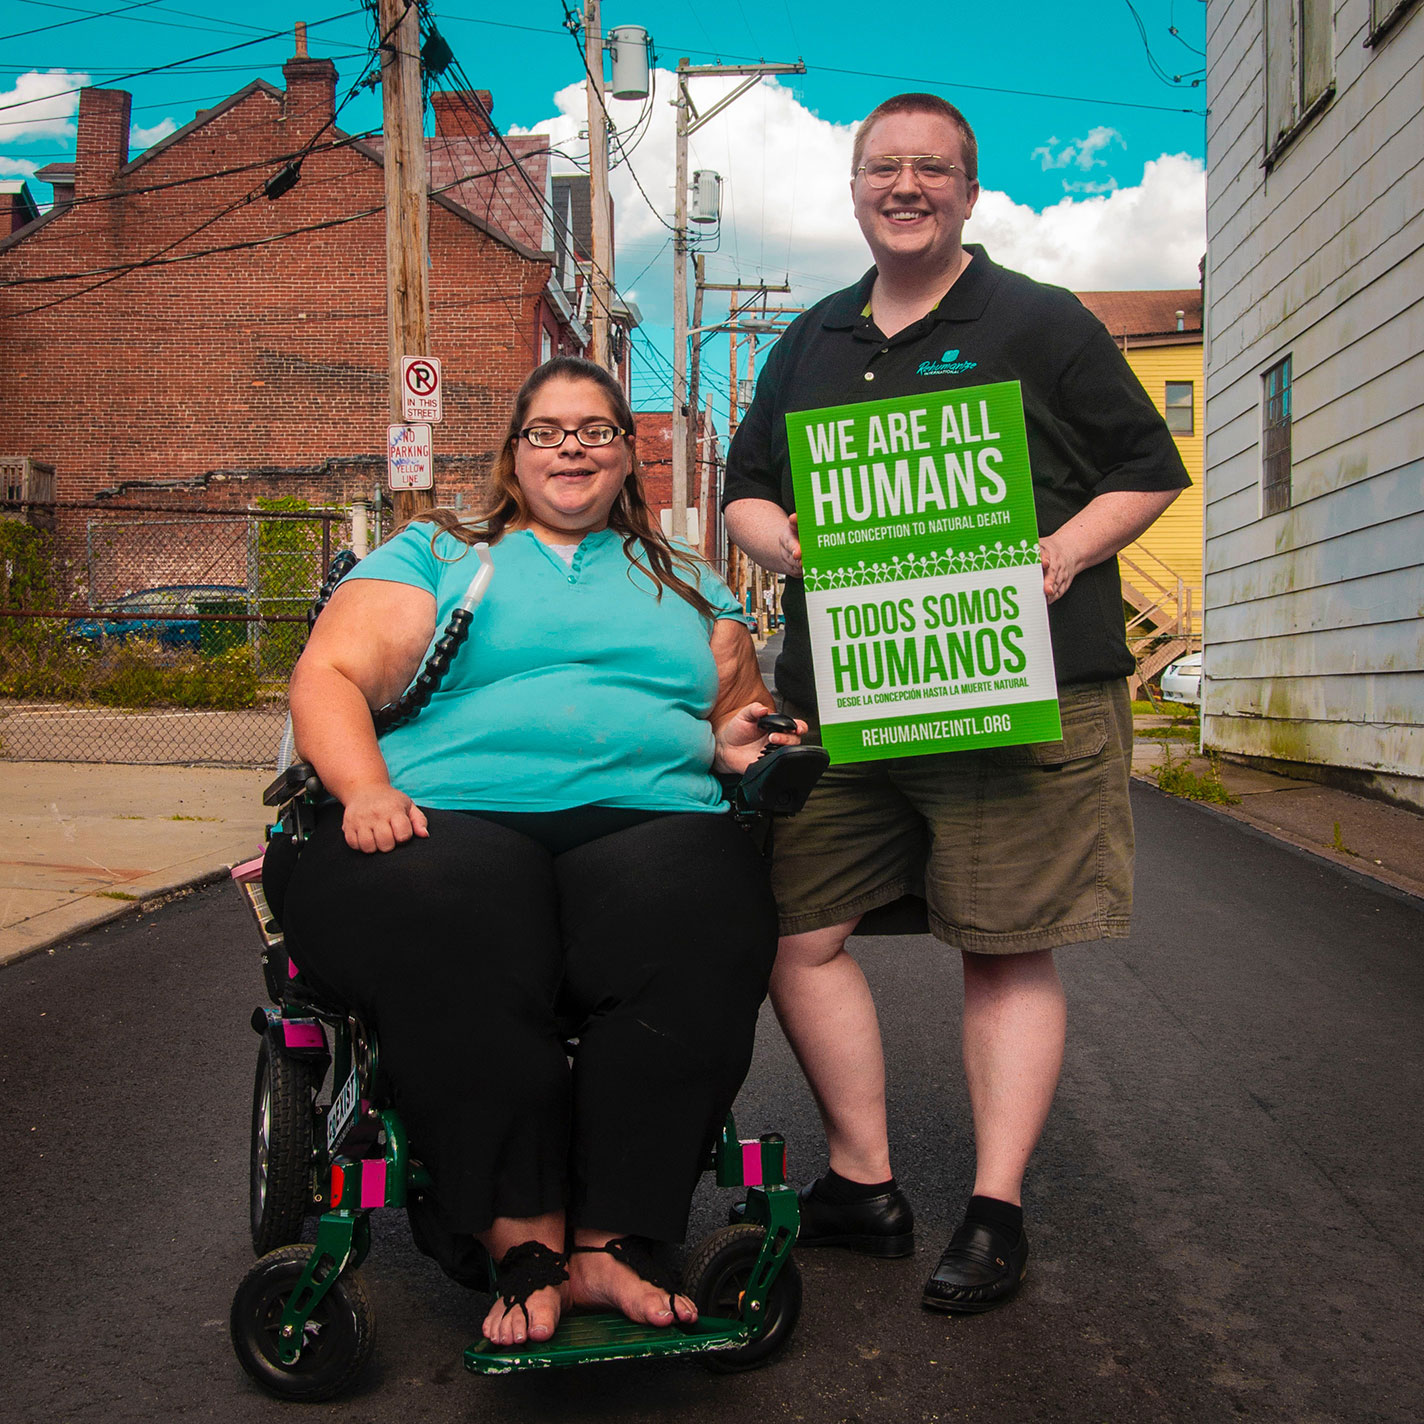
327 1143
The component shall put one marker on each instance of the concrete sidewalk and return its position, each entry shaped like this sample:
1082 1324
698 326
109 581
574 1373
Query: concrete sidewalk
84 844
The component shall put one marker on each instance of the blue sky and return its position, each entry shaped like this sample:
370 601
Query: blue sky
1090 156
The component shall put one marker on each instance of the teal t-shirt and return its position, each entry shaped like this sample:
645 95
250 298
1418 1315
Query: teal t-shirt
576 687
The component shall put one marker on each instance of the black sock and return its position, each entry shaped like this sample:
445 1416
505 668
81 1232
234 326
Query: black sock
1001 1215
843 1192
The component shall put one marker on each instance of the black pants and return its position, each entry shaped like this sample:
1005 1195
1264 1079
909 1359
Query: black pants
475 952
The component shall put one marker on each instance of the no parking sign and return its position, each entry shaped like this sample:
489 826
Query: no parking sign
409 459
422 397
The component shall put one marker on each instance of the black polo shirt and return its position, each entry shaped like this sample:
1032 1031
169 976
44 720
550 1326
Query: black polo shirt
1091 427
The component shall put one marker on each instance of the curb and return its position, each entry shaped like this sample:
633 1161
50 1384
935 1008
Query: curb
1361 866
178 890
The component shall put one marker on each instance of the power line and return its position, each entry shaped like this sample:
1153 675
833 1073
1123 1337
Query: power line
597 89
938 82
179 63
119 194
289 172
1172 81
86 16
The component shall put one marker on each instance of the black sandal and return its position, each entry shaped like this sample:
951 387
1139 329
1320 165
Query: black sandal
524 1269
634 1252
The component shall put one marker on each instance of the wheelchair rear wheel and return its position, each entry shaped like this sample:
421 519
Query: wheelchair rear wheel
715 1277
337 1339
280 1184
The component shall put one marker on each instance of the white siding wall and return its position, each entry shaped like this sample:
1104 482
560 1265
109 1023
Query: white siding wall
1314 617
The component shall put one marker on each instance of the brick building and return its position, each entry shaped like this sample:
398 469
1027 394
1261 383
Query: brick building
704 480
172 334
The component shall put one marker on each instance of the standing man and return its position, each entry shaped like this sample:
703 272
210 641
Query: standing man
1016 850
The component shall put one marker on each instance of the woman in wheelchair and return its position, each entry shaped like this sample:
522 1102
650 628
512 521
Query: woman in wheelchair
543 851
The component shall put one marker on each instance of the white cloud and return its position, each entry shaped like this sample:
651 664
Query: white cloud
1080 152
1149 235
17 168
41 105
786 203
141 139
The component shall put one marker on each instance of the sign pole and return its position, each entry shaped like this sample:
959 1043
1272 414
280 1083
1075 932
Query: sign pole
407 213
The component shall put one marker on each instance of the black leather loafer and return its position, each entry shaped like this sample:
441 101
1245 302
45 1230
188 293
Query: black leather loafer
980 1268
882 1226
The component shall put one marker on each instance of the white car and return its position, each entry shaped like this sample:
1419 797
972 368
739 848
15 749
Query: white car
1182 680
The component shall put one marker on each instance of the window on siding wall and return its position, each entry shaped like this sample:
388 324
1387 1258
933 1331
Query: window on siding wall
1300 63
1179 404
546 344
1276 438
1383 14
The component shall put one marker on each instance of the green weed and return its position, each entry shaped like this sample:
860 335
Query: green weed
1177 778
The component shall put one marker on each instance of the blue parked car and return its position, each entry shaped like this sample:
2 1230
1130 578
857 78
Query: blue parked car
180 626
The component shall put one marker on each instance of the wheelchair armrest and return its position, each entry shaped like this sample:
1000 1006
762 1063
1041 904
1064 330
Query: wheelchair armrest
780 780
297 780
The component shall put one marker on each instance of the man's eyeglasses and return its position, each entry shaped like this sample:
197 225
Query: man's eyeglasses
930 169
550 437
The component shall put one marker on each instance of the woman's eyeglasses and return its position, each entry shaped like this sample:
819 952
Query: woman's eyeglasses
550 437
929 168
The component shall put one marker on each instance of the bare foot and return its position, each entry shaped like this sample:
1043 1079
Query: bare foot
535 1320
532 1270
600 1280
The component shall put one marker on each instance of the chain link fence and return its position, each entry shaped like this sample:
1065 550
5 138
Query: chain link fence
160 635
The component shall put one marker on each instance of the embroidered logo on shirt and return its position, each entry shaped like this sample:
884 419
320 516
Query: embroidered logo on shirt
948 365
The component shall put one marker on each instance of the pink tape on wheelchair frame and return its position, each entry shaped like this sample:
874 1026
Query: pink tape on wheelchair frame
302 1035
751 1164
249 869
373 1182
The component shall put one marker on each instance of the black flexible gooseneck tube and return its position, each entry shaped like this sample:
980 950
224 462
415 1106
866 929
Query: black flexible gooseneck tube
427 683
417 696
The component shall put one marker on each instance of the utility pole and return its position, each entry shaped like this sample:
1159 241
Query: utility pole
745 577
598 182
407 211
688 122
699 267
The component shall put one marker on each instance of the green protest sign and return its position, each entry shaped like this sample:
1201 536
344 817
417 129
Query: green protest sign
924 592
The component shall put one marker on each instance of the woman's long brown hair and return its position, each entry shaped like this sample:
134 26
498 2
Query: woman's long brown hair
504 508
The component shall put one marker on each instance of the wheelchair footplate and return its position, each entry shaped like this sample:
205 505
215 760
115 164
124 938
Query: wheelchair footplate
746 1288
582 1339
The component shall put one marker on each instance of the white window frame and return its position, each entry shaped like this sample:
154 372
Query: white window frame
1384 16
1298 39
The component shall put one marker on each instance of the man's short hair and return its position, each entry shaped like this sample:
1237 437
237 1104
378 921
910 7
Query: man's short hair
919 104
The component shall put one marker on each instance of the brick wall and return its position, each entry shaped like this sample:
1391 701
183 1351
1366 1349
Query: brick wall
655 458
254 372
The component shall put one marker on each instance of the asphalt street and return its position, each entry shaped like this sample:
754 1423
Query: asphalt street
1223 1213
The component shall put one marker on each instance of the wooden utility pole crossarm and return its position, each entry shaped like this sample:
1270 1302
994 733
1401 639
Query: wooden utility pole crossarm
407 211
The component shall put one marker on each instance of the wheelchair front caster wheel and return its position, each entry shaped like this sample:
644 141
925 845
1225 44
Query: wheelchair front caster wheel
715 1278
337 1340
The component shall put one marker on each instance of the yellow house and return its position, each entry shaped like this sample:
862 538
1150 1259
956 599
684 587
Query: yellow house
1161 335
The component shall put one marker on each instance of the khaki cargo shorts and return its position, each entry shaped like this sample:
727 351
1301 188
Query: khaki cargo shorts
1013 849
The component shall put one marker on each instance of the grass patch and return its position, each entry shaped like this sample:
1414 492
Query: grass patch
195 818
1177 732
1165 709
116 895
1337 844
1176 778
